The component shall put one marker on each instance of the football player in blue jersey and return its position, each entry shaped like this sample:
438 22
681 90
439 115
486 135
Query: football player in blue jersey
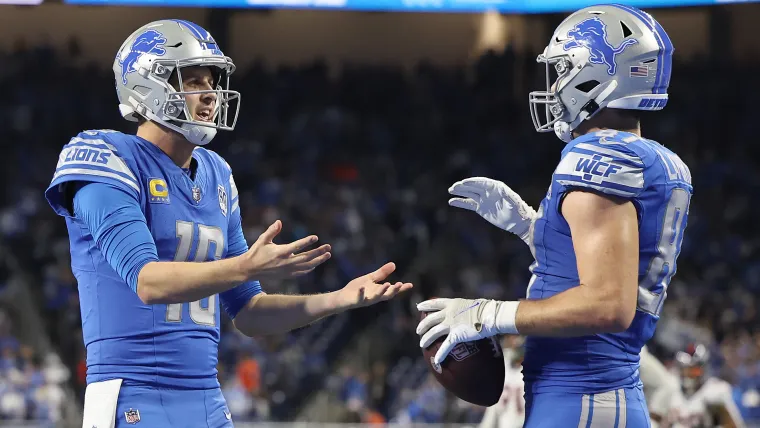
606 237
142 210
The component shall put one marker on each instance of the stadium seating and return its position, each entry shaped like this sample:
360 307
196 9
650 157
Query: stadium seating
364 160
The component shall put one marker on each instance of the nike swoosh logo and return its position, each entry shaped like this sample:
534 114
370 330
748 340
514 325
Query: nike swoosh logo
467 309
228 415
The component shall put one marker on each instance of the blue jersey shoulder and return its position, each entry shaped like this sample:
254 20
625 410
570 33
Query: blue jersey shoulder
213 158
100 156
610 162
225 171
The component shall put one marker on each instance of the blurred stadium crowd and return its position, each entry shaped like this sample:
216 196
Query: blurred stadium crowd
364 161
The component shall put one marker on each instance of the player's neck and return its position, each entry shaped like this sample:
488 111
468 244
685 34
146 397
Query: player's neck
173 144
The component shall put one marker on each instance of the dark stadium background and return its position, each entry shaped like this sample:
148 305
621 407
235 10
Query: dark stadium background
353 125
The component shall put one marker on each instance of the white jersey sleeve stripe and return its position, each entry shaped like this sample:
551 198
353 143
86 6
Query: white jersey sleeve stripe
600 171
607 190
84 154
610 153
87 171
97 143
233 189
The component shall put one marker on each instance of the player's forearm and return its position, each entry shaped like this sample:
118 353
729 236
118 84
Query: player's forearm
180 282
578 311
268 314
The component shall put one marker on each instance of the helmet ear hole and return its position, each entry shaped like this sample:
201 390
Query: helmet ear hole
587 86
142 90
626 31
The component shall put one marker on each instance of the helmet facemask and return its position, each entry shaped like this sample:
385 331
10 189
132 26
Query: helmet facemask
557 70
570 98
174 112
176 107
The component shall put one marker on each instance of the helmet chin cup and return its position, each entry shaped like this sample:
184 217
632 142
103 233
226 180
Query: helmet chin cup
563 131
198 135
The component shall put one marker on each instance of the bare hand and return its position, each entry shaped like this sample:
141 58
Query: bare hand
267 260
368 289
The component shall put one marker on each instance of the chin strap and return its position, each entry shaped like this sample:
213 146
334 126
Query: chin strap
564 130
196 134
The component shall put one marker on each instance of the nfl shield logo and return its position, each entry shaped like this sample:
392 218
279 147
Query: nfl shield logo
132 416
197 194
222 199
464 350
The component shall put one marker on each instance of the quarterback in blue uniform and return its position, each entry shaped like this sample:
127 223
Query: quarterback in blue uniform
143 210
606 237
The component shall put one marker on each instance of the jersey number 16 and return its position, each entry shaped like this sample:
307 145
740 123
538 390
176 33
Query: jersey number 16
206 235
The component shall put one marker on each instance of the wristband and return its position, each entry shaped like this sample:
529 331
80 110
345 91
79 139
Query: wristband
506 316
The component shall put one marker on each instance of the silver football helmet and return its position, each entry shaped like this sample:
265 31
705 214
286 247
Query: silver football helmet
149 58
610 56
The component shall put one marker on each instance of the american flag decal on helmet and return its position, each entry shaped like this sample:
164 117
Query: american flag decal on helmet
639 71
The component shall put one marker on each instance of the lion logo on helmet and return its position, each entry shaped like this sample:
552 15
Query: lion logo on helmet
592 34
150 42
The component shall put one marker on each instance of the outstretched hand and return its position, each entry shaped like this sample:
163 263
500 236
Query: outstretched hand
496 202
267 260
371 288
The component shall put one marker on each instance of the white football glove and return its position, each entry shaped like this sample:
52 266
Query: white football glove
463 320
495 202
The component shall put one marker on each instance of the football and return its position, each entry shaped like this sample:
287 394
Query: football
473 371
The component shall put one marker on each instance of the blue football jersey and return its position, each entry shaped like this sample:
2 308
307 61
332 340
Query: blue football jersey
658 183
169 345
